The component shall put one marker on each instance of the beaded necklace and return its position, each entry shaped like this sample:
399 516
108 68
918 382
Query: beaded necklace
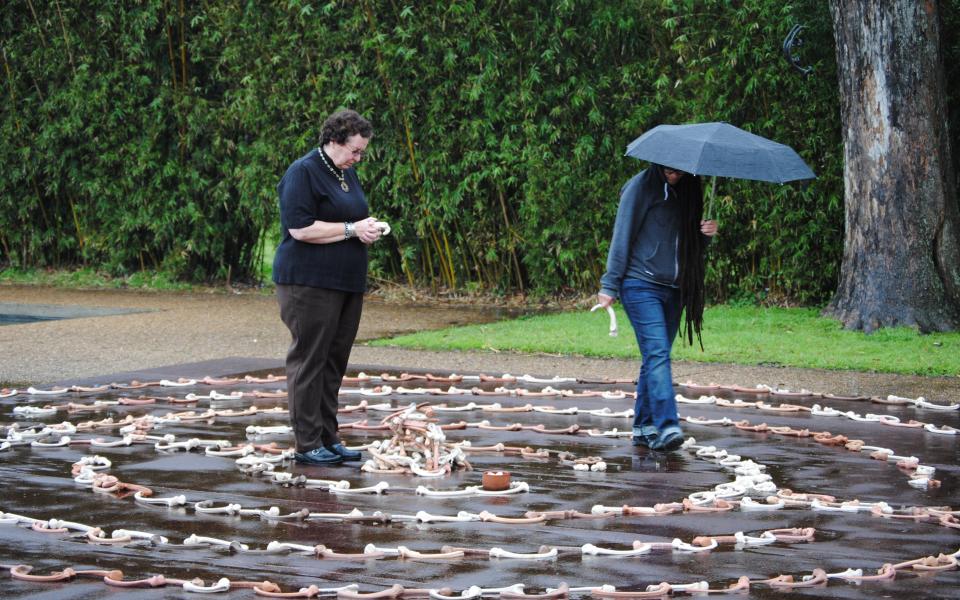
336 173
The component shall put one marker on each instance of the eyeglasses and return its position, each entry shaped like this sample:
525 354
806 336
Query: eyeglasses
357 152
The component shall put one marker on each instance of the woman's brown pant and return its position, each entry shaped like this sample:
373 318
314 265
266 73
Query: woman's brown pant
323 324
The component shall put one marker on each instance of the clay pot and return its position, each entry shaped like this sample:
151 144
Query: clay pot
496 481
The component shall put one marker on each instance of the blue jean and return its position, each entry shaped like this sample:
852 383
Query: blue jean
654 311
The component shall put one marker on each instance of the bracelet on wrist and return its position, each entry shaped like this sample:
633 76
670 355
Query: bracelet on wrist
348 231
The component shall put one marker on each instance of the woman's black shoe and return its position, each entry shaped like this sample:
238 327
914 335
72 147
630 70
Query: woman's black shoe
346 454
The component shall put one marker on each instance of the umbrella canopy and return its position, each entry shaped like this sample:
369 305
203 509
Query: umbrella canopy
719 149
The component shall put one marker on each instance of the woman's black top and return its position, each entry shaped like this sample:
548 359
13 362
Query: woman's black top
310 192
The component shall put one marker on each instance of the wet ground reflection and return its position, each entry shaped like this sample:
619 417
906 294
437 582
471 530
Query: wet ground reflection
39 485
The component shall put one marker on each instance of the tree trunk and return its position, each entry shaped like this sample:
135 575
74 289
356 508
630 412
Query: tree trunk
901 257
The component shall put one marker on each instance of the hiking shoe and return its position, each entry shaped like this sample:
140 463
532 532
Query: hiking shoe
669 442
344 452
644 441
318 456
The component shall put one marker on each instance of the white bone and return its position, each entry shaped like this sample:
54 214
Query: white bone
55 392
170 501
378 489
467 594
606 412
501 553
516 588
223 585
613 318
57 524
587 588
468 491
942 430
697 586
762 540
847 574
554 379
64 441
682 546
187 383
199 540
592 550
462 516
204 508
33 411
144 535
286 546
516 487
701 400
264 430
749 505
922 403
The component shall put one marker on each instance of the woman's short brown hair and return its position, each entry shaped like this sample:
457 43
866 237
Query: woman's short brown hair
344 124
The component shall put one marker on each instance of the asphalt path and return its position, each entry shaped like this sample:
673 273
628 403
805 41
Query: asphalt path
164 331
121 336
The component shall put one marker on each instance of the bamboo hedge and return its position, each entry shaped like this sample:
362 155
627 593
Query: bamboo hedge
151 134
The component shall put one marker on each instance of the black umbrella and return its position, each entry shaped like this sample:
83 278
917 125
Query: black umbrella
719 149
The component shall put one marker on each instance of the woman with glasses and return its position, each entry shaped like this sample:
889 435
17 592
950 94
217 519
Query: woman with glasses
321 274
655 266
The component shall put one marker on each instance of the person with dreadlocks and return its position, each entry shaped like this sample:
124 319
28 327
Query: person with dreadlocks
655 267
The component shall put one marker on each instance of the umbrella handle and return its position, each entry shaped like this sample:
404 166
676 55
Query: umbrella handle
613 318
709 207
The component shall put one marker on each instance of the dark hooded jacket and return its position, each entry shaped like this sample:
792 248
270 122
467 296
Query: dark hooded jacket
647 232
657 238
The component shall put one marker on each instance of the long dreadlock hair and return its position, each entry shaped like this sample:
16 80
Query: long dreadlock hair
691 255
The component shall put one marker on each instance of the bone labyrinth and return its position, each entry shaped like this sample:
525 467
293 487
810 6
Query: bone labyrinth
190 485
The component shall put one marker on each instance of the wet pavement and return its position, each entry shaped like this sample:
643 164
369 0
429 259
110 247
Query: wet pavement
195 335
40 485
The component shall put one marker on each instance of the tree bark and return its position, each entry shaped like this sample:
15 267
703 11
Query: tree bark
901 257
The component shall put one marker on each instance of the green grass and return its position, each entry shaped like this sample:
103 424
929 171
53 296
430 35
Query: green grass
793 337
90 278
266 265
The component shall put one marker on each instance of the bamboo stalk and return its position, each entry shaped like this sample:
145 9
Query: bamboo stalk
512 246
76 222
173 60
399 107
413 156
36 190
388 89
444 269
258 252
470 255
428 265
404 267
183 81
66 40
43 40
183 49
449 260
13 90
56 223
36 86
